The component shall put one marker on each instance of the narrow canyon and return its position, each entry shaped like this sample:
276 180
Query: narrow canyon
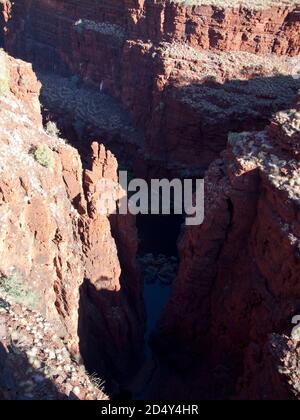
162 89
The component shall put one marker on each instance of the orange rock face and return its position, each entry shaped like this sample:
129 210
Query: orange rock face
51 235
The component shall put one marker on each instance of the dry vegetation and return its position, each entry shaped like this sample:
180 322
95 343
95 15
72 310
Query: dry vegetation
4 78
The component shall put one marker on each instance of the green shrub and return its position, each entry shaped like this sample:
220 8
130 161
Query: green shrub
44 156
4 79
19 291
4 88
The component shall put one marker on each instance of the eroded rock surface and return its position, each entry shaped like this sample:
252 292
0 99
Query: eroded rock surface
163 83
53 238
173 67
241 284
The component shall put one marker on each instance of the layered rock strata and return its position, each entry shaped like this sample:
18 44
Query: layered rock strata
238 278
147 54
53 238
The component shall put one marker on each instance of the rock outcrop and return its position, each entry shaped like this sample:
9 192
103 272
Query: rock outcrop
238 280
172 67
53 238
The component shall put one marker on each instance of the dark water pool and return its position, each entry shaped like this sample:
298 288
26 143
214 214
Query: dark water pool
159 234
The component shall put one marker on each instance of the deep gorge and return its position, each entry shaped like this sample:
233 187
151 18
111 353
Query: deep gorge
167 311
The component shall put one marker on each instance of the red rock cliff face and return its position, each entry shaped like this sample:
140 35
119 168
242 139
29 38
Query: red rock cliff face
135 51
53 238
208 25
239 276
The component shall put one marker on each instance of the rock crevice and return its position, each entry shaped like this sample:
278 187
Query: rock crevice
53 238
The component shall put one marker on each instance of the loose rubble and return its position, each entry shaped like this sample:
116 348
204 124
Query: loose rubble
35 363
160 268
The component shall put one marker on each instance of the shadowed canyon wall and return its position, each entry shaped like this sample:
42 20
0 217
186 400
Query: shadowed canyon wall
242 283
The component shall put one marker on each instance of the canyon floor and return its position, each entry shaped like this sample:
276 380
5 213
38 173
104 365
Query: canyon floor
99 305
